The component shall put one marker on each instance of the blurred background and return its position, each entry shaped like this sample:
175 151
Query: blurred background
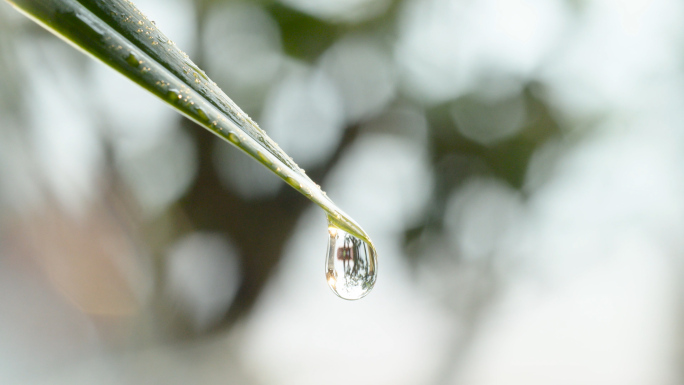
518 163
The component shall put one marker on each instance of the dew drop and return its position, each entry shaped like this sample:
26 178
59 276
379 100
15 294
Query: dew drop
173 95
350 265
233 138
202 115
132 60
264 159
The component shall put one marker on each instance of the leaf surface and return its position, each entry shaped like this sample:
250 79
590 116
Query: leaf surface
118 34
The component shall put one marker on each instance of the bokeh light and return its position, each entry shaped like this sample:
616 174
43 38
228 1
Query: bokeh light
518 165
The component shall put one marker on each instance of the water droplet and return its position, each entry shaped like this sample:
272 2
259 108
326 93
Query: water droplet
233 138
132 60
264 159
292 182
202 115
350 265
173 95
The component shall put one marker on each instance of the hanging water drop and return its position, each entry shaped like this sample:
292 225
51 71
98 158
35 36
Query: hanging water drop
350 265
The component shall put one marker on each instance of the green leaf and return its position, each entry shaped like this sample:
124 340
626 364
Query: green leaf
118 34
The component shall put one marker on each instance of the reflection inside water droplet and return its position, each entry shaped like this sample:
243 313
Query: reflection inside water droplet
350 265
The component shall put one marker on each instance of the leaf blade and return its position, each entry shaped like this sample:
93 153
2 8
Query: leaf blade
118 34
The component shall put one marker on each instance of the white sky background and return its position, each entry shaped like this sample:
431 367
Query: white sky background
596 246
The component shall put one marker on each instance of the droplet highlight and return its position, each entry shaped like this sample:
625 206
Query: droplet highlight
350 265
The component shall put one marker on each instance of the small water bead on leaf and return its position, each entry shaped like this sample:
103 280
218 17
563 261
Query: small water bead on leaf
132 60
264 159
173 95
350 265
233 138
202 115
293 182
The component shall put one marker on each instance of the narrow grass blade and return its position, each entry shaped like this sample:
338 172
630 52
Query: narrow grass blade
118 34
